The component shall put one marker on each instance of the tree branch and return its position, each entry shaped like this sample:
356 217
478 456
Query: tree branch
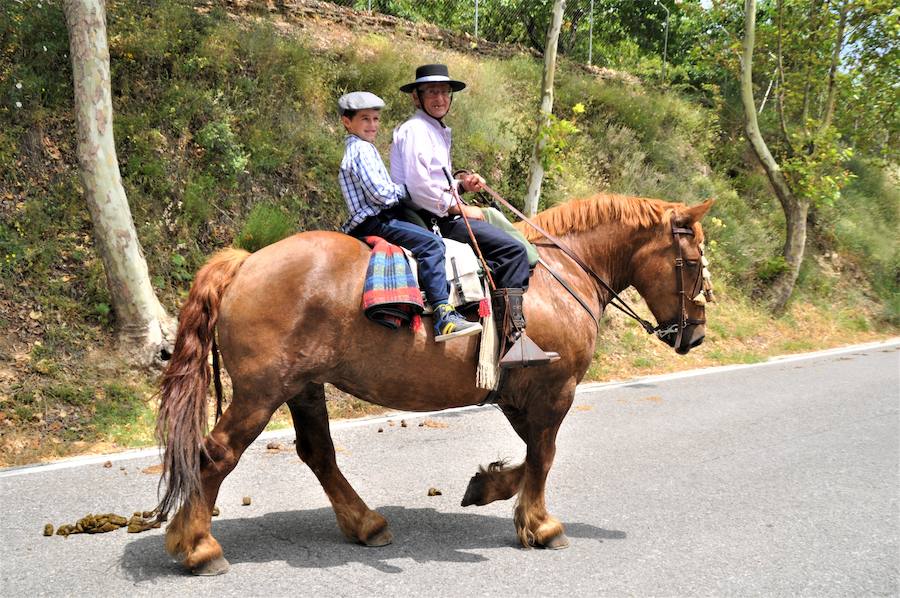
835 60
781 87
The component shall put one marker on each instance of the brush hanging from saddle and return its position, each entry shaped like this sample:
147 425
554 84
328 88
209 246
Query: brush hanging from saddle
507 306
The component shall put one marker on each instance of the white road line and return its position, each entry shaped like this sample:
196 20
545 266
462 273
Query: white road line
353 423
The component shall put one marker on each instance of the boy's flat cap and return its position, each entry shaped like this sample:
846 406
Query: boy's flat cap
359 100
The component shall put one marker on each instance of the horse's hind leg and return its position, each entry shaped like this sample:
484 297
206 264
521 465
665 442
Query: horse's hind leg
314 445
188 534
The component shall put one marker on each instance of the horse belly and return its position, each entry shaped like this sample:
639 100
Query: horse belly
405 370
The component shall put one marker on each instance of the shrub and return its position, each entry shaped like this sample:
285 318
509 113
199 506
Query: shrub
265 225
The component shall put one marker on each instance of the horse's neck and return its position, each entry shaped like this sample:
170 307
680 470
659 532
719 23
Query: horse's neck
608 249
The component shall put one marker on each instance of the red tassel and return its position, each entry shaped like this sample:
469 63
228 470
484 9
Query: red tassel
416 324
484 308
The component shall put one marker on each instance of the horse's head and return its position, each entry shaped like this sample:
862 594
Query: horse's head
670 274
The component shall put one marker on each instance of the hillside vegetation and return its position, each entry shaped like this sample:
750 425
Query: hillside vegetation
226 130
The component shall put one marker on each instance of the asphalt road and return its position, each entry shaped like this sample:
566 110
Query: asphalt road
775 479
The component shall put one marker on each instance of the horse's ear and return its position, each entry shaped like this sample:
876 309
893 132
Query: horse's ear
696 213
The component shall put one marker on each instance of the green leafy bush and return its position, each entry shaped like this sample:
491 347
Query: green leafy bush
265 225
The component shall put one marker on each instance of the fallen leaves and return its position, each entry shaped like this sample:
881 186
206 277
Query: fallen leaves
153 469
430 423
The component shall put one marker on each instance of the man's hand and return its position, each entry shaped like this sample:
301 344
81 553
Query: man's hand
471 212
471 182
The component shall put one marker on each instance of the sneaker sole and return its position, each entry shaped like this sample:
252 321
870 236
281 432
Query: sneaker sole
476 329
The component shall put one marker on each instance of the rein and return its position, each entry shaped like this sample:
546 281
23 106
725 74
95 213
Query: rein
661 330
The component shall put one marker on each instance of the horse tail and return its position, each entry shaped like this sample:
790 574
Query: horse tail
181 422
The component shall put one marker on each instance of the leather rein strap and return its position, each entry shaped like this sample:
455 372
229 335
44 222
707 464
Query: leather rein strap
615 300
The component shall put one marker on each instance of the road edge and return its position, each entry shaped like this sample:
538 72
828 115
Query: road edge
353 423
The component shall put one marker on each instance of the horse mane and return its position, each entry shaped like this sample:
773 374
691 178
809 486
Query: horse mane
584 214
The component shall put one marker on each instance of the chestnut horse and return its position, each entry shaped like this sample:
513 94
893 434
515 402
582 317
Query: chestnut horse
288 319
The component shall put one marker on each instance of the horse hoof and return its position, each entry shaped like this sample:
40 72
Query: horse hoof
557 542
473 493
217 566
382 538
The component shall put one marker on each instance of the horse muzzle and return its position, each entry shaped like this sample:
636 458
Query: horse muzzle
692 336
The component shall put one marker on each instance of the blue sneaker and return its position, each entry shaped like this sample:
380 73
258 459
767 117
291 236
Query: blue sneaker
449 324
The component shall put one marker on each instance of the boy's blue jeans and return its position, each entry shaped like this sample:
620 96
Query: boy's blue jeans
427 248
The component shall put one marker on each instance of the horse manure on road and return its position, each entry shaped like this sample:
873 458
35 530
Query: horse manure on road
273 446
434 492
245 501
140 521
215 512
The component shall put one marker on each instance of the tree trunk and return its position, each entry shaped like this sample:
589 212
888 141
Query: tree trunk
536 175
142 323
795 209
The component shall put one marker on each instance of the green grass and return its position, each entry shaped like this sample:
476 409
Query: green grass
796 346
123 416
727 356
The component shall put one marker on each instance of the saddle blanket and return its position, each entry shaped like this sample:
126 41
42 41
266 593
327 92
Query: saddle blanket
391 295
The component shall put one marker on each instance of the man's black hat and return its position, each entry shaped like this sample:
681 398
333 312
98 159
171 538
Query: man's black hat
433 73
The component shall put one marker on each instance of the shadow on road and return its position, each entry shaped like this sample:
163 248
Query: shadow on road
311 539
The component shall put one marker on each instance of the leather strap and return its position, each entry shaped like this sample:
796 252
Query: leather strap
615 300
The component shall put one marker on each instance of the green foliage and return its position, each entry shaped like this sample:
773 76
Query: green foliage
265 225
555 134
223 151
818 173
197 203
34 51
771 269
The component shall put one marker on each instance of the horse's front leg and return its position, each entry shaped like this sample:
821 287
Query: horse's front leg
314 445
537 423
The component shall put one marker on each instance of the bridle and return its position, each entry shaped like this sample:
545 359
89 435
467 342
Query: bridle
662 331
701 290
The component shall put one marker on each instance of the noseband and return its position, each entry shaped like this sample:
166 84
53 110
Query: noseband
662 331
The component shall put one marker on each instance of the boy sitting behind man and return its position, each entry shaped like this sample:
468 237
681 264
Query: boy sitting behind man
375 206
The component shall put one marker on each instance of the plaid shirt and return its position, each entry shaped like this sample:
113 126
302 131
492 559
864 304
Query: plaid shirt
365 183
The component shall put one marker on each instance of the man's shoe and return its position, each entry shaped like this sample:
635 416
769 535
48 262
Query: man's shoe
449 324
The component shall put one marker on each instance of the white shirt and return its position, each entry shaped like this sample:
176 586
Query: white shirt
420 156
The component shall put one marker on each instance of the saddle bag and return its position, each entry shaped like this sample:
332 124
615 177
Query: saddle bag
464 273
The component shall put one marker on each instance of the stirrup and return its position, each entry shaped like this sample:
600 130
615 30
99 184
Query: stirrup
525 353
